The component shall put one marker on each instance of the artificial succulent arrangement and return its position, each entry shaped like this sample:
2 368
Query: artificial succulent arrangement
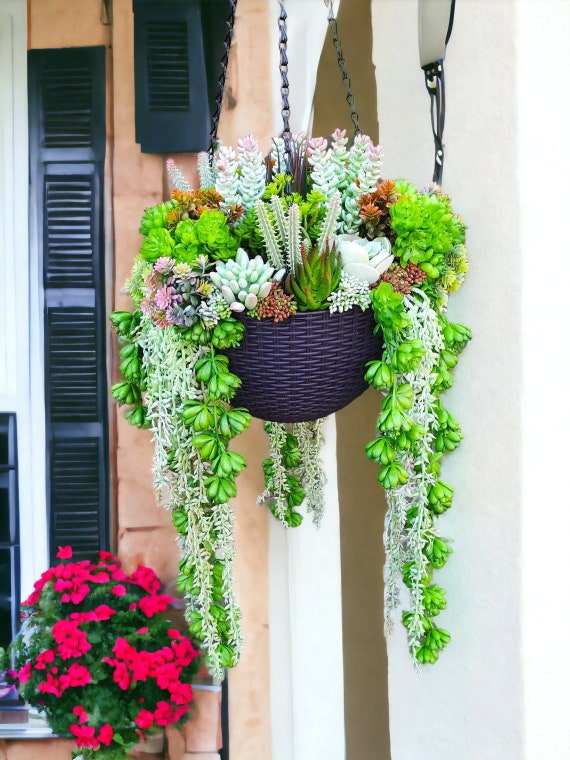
312 227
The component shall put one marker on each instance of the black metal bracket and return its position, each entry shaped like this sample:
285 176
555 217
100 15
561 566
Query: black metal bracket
435 85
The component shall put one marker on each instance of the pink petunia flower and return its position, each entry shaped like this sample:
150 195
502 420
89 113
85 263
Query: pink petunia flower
145 719
84 736
71 641
43 659
106 734
82 716
151 605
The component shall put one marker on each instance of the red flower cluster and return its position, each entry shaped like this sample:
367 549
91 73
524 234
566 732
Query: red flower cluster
77 675
70 640
164 665
93 629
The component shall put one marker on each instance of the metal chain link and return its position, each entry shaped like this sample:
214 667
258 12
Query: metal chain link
283 70
230 21
342 65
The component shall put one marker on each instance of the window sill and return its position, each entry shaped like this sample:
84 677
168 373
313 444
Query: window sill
35 728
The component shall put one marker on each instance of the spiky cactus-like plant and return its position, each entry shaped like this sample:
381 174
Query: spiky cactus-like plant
315 279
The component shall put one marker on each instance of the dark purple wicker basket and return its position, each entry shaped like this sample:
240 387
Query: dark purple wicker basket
306 367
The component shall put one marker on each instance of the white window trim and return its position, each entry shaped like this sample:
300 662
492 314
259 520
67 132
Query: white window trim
21 335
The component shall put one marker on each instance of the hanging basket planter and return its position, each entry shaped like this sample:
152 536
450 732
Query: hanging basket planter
281 289
306 367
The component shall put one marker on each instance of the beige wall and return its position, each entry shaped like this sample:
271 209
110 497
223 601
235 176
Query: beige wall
143 532
247 110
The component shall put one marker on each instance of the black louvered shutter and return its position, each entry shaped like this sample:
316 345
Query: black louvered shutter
67 153
9 531
178 48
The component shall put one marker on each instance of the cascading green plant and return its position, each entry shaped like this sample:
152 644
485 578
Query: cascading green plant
414 428
206 257
188 407
293 472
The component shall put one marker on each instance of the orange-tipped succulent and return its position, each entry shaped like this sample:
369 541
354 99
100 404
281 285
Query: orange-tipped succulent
375 210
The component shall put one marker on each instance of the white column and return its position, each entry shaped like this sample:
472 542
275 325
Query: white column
21 372
542 140
307 683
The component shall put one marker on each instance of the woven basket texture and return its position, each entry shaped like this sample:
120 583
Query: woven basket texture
306 367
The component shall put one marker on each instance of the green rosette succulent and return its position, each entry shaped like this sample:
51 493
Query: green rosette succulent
208 235
157 244
314 279
426 229
156 217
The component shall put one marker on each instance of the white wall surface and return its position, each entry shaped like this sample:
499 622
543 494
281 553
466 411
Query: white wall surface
501 690
543 34
21 373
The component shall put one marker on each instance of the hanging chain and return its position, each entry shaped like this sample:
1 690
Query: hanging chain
285 108
230 21
283 70
342 65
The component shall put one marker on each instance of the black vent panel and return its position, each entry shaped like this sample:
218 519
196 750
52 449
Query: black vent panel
69 231
72 365
168 75
172 109
75 494
67 107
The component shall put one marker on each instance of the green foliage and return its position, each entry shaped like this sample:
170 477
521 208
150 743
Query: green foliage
420 352
426 229
129 392
157 243
315 279
389 312
156 217
249 236
208 235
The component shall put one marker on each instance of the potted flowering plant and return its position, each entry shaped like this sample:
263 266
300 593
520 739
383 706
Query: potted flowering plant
98 657
246 292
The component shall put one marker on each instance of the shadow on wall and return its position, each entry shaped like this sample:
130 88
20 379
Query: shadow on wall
362 502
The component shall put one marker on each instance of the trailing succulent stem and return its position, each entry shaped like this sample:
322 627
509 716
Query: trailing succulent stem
188 395
414 430
293 471
129 391
310 441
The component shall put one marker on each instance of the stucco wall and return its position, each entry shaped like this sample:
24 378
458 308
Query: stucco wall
470 704
499 689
